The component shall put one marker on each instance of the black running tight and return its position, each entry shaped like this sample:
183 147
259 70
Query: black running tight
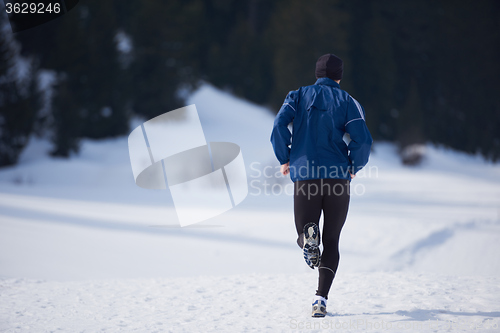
330 196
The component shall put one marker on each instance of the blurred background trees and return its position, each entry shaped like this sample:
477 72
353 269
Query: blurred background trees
425 71
19 98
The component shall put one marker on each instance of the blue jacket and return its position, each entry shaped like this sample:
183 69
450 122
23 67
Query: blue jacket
321 113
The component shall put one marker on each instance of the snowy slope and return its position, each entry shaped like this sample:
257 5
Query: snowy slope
82 248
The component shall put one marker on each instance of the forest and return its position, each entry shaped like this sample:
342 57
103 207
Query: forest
425 71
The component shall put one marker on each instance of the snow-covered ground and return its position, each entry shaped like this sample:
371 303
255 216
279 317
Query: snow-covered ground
83 249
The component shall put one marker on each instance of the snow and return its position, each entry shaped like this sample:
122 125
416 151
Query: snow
83 249
251 302
123 42
125 47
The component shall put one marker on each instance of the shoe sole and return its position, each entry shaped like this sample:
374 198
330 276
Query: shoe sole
311 242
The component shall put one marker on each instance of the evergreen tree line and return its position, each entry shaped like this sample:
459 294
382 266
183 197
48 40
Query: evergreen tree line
424 70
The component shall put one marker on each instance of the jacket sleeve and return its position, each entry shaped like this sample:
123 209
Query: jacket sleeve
361 140
281 138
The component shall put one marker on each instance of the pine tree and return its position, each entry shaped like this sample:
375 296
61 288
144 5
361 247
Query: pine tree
409 130
18 101
165 37
89 98
301 32
467 108
238 55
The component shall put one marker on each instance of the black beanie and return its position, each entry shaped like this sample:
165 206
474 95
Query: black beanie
330 66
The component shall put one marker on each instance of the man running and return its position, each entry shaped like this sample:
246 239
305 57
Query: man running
321 164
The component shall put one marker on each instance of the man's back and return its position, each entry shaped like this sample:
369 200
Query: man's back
321 113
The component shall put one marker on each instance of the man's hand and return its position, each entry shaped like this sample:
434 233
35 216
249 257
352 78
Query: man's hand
352 175
285 168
